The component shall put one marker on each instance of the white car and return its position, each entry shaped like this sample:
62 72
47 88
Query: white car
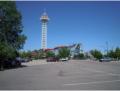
105 59
64 59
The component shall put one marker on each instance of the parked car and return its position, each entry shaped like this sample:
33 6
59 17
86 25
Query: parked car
52 59
64 59
20 59
105 59
23 59
11 63
27 60
1 65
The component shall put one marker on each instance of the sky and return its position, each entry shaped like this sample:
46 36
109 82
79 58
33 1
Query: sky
91 23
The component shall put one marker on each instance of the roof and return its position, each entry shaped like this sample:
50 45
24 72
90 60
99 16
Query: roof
44 16
49 49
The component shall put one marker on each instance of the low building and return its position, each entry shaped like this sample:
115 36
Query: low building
74 49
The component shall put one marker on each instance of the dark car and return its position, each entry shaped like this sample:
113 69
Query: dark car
20 59
1 65
52 59
11 63
28 59
105 59
23 60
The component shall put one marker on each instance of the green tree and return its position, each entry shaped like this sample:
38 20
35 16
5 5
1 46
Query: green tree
22 54
28 54
11 39
81 56
7 52
112 54
64 52
50 54
96 53
11 26
117 52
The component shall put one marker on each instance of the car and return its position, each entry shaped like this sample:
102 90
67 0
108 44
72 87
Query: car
52 59
105 59
64 59
26 60
1 65
20 59
11 63
23 60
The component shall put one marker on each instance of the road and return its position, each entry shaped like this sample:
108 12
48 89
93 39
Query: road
72 75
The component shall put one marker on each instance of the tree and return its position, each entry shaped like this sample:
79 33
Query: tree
117 52
50 54
96 53
11 39
29 54
7 52
11 25
81 55
114 53
64 52
111 54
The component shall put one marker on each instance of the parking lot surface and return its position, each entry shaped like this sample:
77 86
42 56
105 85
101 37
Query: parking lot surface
71 75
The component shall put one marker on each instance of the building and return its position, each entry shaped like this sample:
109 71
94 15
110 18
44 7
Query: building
74 49
44 20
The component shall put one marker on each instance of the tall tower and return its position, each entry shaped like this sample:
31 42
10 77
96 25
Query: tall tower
44 19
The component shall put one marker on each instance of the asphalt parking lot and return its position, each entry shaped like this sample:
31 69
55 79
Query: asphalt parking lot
72 75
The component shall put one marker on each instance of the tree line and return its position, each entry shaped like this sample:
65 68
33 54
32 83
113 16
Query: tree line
65 52
40 54
113 53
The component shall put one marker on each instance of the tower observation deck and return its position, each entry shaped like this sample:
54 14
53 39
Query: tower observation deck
44 20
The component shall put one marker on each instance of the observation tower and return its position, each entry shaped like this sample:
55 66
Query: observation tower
44 20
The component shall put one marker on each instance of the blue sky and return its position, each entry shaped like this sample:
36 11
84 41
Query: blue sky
90 23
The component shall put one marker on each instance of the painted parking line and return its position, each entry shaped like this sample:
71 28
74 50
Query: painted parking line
78 75
103 72
96 82
33 63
